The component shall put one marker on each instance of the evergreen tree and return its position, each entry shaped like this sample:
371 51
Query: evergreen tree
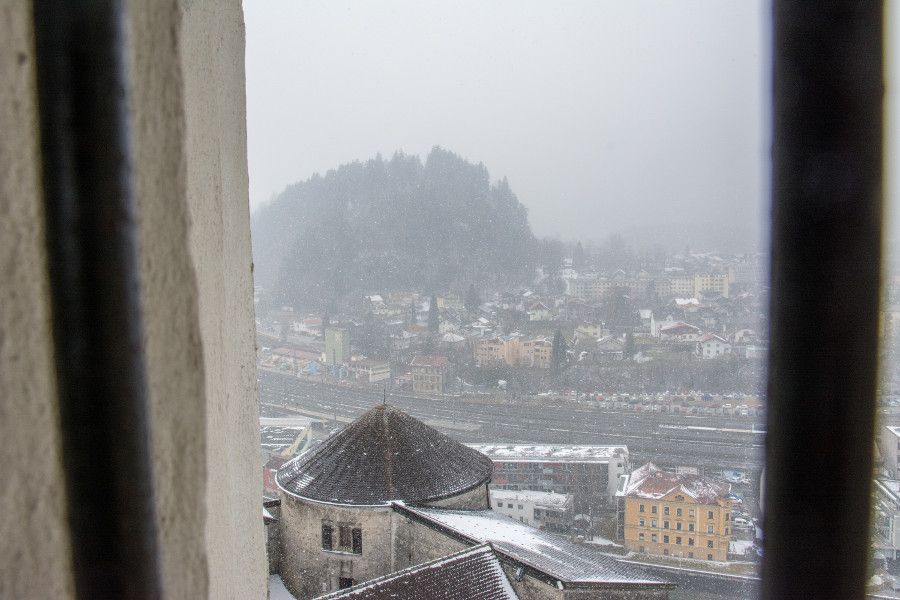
434 321
413 317
630 351
578 256
472 300
559 350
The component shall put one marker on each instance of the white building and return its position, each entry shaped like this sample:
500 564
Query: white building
712 346
539 509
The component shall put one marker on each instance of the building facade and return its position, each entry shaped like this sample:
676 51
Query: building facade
337 346
669 514
429 374
590 474
544 510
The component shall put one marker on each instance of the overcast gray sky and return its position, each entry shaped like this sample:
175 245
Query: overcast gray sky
604 115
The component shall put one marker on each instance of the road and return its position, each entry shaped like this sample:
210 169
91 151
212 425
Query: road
708 442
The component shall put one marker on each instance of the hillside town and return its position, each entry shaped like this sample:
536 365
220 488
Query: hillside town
693 322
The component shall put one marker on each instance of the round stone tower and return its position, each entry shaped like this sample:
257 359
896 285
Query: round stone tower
336 525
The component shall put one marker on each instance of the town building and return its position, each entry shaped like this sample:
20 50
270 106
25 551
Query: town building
544 510
337 346
888 446
369 370
676 514
429 374
537 353
886 524
590 474
712 346
389 502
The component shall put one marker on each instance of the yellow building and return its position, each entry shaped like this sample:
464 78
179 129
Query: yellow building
513 351
538 353
676 514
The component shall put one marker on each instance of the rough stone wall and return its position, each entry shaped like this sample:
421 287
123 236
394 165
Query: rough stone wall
530 588
307 569
415 543
475 498
34 555
212 64
197 304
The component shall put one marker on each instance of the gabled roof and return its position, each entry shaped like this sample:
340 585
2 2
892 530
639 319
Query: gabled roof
711 337
471 574
548 553
652 483
385 455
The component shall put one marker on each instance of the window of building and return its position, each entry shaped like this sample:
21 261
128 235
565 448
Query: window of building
357 541
710 544
709 557
345 537
345 582
709 515
665 524
709 528
653 523
690 555
641 522
653 509
678 540
327 531
653 537
641 549
666 511
665 539
677 512
641 508
641 536
690 541
678 526
509 505
690 526
520 507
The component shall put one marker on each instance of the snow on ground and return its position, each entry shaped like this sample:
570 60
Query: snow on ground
277 591
740 546
602 541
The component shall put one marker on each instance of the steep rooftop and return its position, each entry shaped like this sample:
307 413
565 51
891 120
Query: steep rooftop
471 574
385 455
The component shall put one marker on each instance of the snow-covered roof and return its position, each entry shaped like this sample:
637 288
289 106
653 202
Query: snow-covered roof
550 452
894 430
471 574
546 552
540 499
652 483
711 337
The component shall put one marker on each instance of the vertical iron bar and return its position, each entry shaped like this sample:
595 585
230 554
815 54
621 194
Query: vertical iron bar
93 268
826 263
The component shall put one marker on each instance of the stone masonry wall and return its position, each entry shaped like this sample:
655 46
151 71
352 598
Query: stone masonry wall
307 569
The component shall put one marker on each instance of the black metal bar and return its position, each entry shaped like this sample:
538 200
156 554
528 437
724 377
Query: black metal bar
826 263
93 268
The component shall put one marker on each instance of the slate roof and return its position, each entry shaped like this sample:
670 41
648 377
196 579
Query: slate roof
546 552
471 574
383 456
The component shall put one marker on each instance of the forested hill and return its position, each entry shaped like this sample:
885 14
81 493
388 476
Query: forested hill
392 224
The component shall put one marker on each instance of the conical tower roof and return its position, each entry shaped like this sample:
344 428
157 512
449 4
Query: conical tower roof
385 455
